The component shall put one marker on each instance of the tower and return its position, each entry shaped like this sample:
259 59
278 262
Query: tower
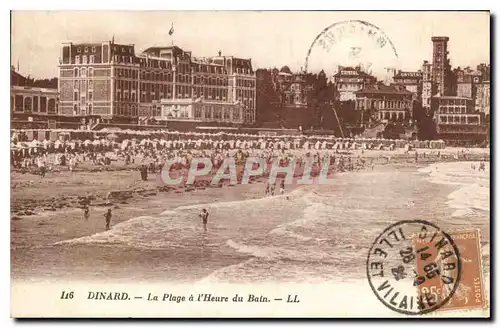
441 71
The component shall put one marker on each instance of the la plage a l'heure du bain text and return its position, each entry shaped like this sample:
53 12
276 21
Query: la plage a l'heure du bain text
167 297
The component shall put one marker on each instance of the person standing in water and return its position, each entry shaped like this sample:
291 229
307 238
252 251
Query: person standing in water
282 187
108 216
86 212
204 218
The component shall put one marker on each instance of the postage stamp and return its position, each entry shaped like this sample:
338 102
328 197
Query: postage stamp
396 269
470 293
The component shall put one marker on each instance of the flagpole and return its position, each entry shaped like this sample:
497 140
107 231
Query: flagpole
171 32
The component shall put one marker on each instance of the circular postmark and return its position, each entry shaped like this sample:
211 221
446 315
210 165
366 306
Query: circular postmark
353 43
414 267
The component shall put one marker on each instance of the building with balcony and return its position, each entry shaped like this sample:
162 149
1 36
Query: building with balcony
412 81
31 105
456 110
112 81
457 120
384 103
349 80
291 87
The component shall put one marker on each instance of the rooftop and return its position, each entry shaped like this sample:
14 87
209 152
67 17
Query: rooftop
384 89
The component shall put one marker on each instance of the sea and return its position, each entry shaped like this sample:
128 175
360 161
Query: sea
313 234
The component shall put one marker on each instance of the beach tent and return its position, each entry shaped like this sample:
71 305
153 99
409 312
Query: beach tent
35 143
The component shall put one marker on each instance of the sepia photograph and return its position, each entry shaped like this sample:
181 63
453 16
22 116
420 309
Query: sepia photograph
250 164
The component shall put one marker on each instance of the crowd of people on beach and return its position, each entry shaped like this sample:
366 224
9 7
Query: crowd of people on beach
151 154
148 156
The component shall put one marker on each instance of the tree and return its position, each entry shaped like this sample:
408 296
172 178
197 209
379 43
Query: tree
266 97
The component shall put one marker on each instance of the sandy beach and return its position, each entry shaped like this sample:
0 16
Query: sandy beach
50 239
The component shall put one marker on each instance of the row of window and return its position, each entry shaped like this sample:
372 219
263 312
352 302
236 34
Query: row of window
391 116
125 110
82 83
381 104
33 104
91 59
245 83
181 78
452 102
84 96
82 72
349 86
208 69
217 113
453 110
82 110
244 93
459 119
86 49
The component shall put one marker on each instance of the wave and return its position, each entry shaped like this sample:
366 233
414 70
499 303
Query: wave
278 253
473 195
178 227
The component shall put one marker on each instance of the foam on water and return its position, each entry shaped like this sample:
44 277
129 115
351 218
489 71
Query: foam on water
316 233
178 228
473 195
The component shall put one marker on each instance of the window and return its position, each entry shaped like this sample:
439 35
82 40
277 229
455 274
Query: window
197 112
76 84
75 96
86 49
77 59
217 113
84 59
236 114
91 71
90 96
84 71
92 59
78 49
91 84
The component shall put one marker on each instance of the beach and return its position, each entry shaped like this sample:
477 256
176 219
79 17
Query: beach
312 234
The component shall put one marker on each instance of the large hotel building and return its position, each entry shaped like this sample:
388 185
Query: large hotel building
162 83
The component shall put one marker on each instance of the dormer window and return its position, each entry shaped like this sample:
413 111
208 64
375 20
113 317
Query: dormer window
86 49
93 49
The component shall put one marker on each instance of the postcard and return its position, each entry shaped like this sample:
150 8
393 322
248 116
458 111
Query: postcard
250 164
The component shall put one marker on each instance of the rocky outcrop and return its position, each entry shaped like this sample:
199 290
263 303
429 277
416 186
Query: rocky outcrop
119 195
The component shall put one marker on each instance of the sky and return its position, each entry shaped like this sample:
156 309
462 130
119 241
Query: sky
269 38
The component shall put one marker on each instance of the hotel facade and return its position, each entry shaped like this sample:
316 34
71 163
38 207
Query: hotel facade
162 83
